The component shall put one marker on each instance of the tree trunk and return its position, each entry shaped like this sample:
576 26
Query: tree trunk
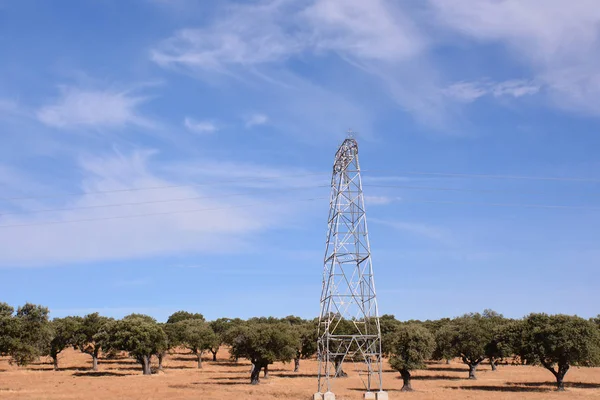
472 368
493 364
255 373
296 364
199 355
405 374
160 356
94 362
55 361
447 361
146 365
214 353
339 372
266 367
560 375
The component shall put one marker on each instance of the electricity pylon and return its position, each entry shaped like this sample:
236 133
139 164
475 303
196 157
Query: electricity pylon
349 322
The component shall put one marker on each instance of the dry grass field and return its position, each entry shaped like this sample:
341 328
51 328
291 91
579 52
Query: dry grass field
122 379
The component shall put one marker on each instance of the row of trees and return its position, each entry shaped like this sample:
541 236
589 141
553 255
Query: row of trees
555 342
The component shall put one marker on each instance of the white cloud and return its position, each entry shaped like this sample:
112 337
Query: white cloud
560 43
375 40
223 227
470 91
256 119
93 108
199 126
373 30
417 229
379 200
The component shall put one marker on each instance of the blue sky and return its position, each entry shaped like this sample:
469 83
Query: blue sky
236 109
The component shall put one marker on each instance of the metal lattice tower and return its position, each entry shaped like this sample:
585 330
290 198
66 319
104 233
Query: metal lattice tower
349 321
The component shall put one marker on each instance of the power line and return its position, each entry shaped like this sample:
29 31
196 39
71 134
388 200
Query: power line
490 176
149 214
155 201
502 204
157 187
449 189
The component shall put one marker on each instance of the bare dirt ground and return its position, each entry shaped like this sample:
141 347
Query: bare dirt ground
224 379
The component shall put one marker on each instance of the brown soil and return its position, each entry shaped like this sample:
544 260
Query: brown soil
224 379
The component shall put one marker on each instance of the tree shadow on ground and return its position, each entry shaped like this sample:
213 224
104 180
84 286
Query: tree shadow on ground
450 369
435 378
205 371
180 386
500 388
180 367
117 361
295 375
183 358
230 363
577 385
138 368
97 374
228 378
81 369
246 382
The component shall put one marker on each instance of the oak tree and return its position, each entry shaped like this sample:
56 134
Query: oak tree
558 342
196 335
262 344
410 346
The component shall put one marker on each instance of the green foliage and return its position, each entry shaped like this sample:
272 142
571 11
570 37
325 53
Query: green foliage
197 336
469 338
6 310
182 316
558 342
228 328
139 335
263 344
293 320
307 339
388 325
90 336
64 332
31 334
410 345
444 336
8 328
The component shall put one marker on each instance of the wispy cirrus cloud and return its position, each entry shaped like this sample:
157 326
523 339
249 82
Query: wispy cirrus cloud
560 44
379 200
201 127
123 221
376 40
76 107
256 119
418 229
470 91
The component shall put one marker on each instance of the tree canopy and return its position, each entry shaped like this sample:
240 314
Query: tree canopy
90 336
468 337
410 346
262 344
139 335
182 316
64 332
558 342
196 335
